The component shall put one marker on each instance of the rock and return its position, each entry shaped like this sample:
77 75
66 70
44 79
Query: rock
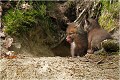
8 42
110 45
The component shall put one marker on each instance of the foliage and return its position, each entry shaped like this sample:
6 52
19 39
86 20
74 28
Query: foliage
109 14
30 22
19 21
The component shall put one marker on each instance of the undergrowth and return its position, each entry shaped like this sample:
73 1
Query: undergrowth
30 22
17 18
32 27
109 14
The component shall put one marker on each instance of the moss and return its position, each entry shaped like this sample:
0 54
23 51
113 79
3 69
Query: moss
111 46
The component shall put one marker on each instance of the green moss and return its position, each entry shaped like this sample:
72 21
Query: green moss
111 46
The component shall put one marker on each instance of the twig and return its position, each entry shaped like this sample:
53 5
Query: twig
80 15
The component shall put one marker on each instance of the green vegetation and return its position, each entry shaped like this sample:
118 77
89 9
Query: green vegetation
109 14
17 22
30 22
32 26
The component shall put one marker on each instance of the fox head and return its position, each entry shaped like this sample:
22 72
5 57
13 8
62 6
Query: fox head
71 31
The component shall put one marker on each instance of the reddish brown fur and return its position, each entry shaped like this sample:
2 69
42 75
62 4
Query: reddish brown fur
80 40
95 35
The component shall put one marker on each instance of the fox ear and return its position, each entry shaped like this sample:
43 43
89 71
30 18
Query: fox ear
73 24
77 25
68 23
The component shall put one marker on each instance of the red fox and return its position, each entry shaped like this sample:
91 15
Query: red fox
78 41
96 34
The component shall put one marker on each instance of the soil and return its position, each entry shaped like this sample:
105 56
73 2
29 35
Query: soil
95 67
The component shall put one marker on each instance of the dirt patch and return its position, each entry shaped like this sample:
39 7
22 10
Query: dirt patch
58 68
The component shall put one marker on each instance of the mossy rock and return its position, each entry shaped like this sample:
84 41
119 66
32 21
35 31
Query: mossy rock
110 45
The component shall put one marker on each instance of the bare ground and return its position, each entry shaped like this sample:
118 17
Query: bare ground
60 68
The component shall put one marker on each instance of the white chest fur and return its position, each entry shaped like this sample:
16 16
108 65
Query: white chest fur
73 48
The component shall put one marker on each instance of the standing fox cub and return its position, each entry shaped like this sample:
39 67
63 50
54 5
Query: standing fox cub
95 35
77 40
